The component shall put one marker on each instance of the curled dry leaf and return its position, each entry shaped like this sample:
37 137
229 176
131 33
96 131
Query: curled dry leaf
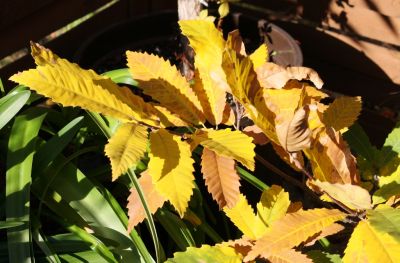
294 134
257 134
301 73
332 160
271 75
353 196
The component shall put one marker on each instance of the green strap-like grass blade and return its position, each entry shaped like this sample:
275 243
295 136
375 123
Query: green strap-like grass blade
11 104
21 148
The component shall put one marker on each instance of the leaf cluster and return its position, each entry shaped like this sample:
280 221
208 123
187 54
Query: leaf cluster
188 121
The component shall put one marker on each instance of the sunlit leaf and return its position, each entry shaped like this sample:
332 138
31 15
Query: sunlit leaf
385 219
223 9
385 192
126 147
288 256
303 73
273 204
68 84
228 143
368 245
212 98
163 82
332 160
208 44
242 215
171 168
135 208
293 229
343 112
257 134
259 56
353 196
221 178
207 254
330 230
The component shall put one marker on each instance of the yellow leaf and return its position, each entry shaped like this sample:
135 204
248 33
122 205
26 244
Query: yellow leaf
332 160
235 42
246 89
171 168
240 76
135 208
169 119
228 143
223 9
42 55
273 204
352 196
242 215
208 44
343 112
368 245
212 99
68 84
289 256
207 254
259 56
221 178
293 229
126 147
165 84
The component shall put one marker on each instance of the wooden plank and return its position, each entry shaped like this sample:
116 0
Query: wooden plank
384 7
41 23
364 22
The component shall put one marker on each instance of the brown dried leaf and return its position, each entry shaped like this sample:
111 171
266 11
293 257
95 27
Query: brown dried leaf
332 160
301 73
257 134
288 256
221 178
136 212
294 134
330 230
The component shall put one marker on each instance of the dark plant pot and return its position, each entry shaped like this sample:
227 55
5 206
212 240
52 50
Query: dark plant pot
159 33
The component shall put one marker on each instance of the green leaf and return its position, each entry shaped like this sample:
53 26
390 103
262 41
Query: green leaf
386 219
391 147
47 152
359 142
21 148
176 228
323 257
10 224
121 76
207 254
85 198
11 104
385 192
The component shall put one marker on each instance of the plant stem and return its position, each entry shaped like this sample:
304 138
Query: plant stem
132 176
